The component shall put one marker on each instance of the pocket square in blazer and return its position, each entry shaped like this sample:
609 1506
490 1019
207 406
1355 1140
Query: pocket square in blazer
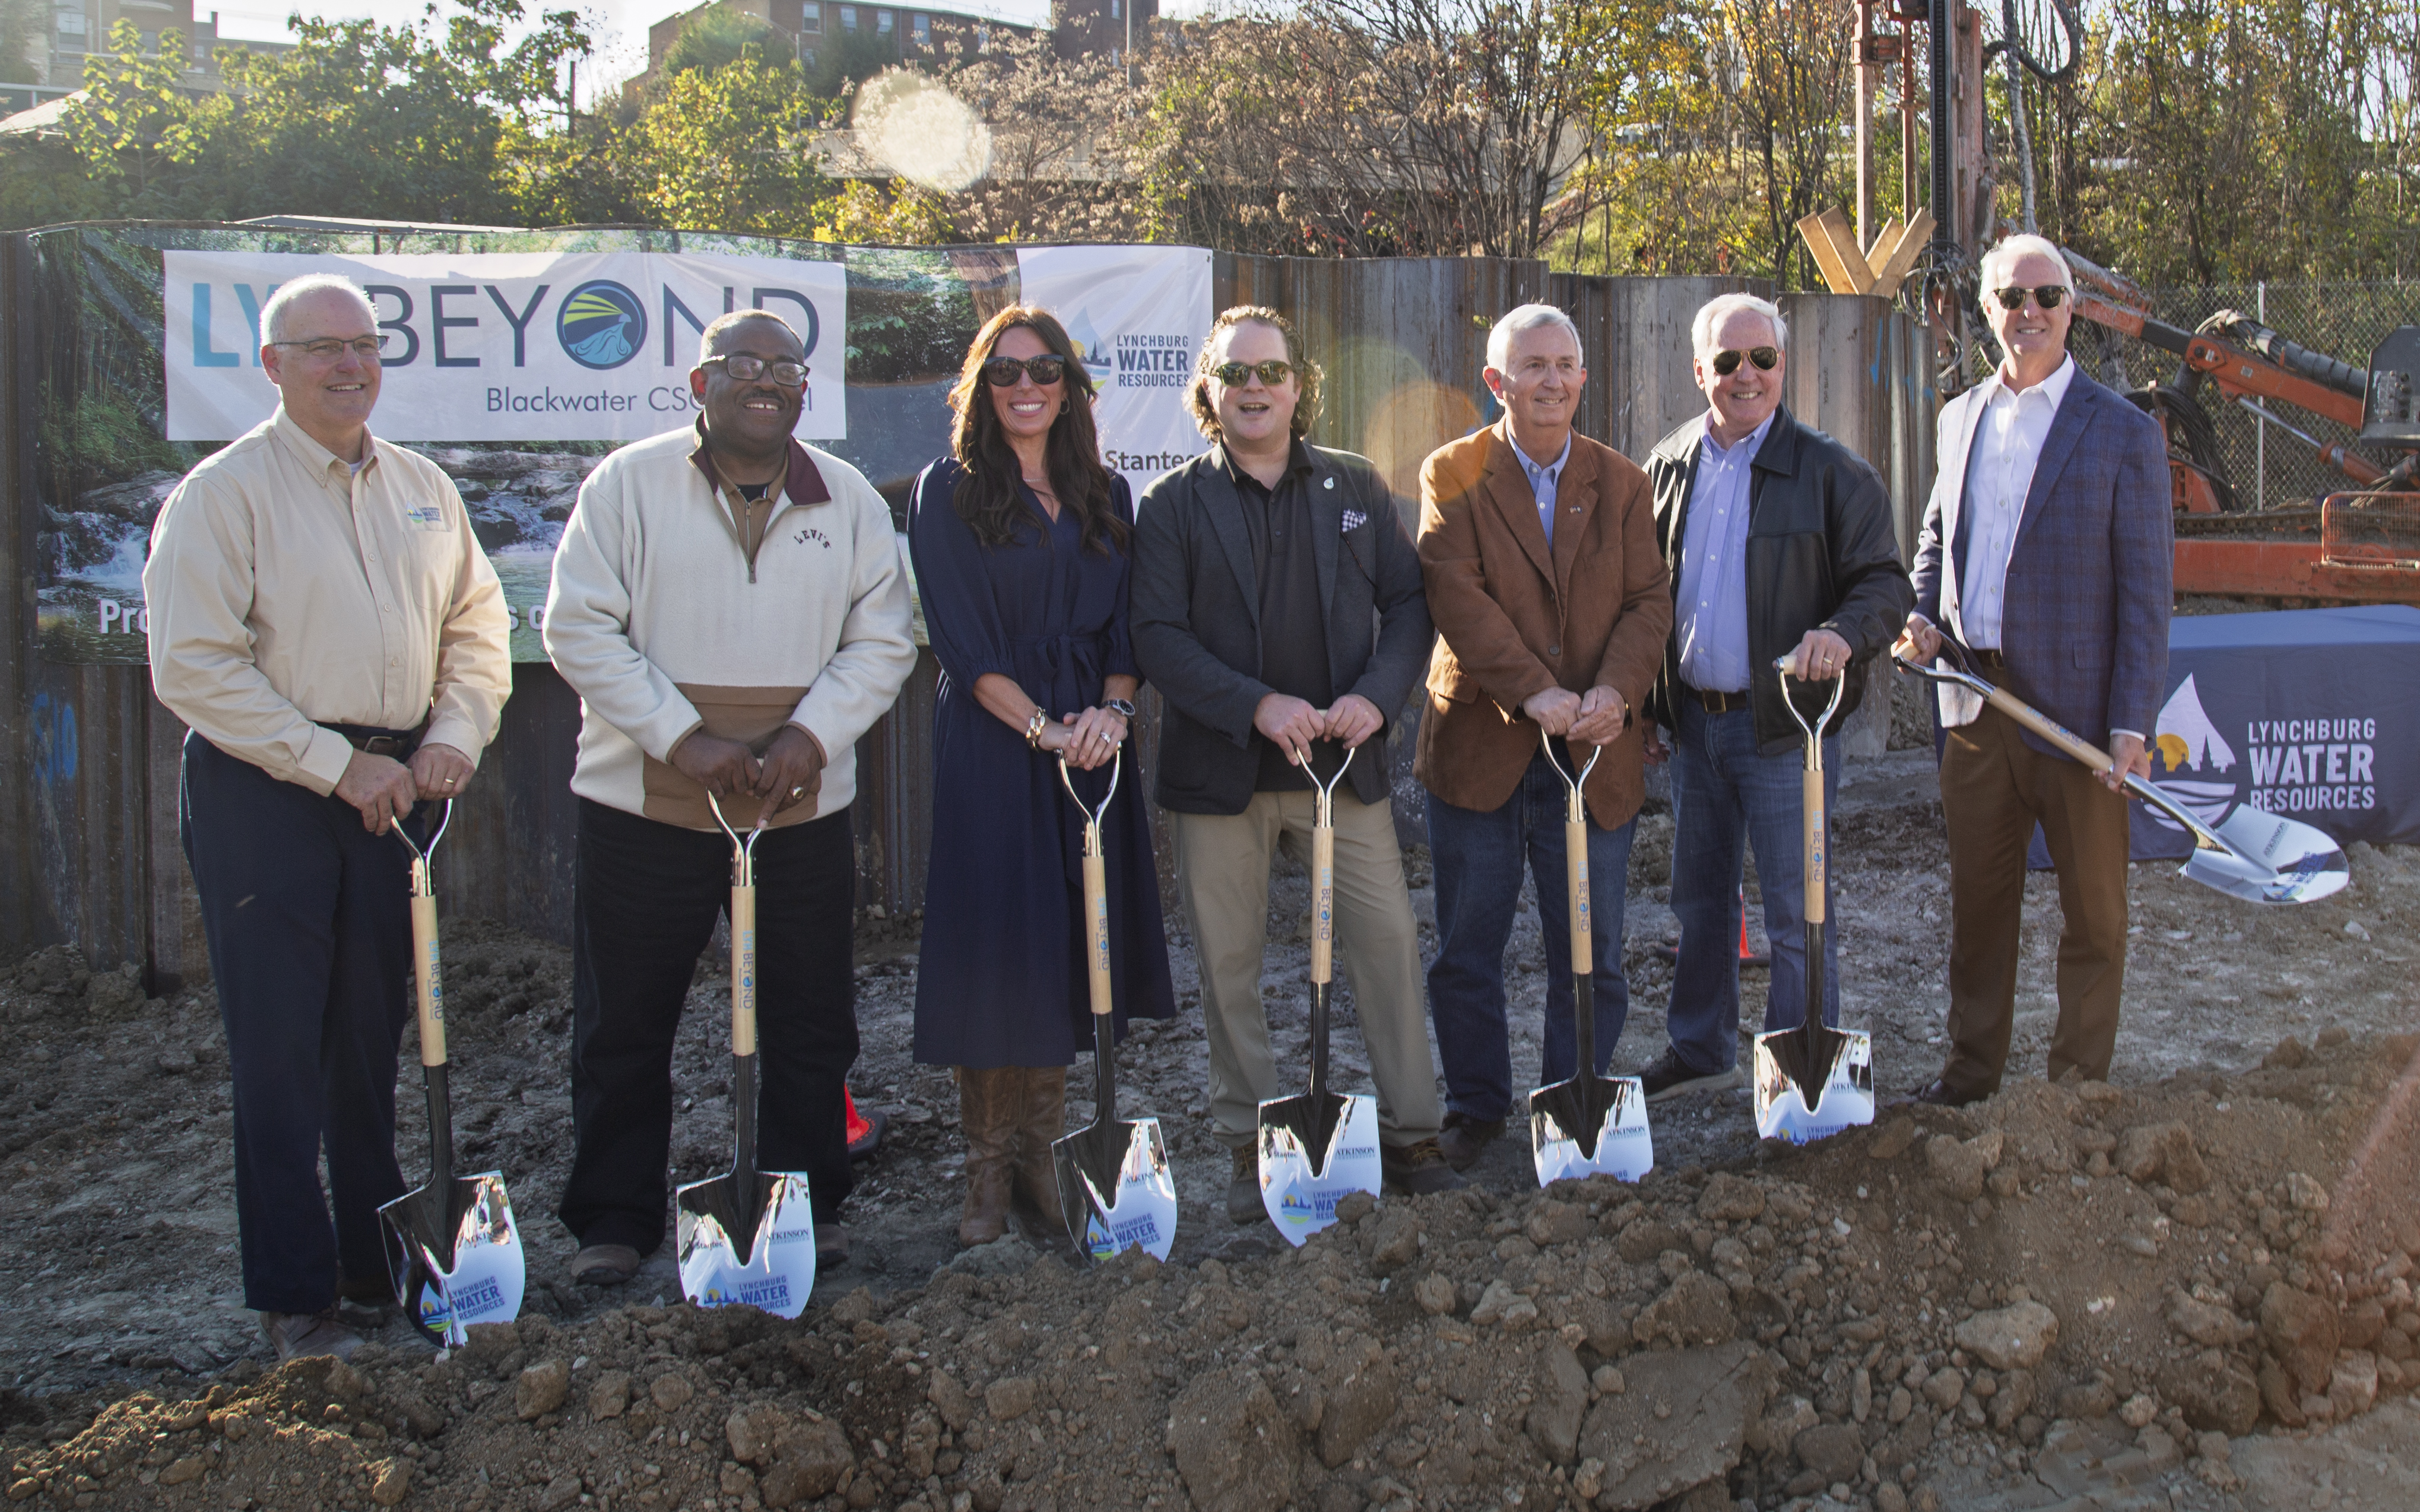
1355 519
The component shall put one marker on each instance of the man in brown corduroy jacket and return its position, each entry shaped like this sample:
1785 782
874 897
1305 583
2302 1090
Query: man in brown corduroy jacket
1552 603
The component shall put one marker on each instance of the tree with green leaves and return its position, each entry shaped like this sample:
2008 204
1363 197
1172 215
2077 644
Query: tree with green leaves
731 149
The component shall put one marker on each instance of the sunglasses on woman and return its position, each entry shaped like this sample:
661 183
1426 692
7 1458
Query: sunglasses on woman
2048 295
1000 372
1727 361
1233 374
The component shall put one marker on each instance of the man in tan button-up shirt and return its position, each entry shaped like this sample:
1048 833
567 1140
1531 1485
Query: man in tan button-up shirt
326 622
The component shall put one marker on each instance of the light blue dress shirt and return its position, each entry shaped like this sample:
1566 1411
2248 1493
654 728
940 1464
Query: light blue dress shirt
1543 480
1712 622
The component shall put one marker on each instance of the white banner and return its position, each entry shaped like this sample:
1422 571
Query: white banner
506 347
1138 314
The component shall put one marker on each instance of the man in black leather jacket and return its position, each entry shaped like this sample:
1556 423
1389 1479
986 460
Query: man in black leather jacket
1780 544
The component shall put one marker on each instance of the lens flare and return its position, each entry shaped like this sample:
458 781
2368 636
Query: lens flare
921 131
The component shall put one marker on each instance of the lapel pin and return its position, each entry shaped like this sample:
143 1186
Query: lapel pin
1329 484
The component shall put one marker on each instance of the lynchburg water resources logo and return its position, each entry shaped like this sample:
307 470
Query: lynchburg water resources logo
2289 766
601 324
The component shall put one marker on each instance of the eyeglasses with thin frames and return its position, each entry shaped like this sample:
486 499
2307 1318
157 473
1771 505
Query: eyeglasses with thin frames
329 349
1727 361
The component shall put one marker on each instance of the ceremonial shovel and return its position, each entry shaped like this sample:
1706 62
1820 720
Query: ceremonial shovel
462 1253
1813 1081
1318 1147
1590 1123
1110 1155
2254 855
748 1236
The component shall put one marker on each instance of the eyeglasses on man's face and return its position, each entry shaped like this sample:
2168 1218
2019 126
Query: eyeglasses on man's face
1000 372
1271 373
329 349
742 368
1727 361
2048 295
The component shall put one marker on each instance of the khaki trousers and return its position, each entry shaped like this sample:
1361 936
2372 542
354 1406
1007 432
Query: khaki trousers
1995 788
1223 874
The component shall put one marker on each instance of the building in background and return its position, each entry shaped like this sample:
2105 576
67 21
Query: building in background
80 29
1102 27
811 27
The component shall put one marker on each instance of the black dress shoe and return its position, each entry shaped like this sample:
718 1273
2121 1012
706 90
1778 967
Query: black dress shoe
1464 1138
1939 1094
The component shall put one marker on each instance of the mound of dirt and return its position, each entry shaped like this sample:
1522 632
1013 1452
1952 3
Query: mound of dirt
2070 1290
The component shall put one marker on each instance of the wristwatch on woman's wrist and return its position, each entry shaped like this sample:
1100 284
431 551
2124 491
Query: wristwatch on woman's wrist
1123 708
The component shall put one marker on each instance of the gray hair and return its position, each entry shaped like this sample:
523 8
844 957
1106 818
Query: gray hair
2024 245
1712 315
1527 317
272 315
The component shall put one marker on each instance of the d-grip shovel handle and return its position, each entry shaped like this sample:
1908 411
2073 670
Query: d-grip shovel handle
1096 883
1575 866
427 983
743 985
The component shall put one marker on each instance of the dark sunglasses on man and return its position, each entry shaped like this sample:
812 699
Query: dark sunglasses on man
742 368
1272 372
1727 361
1000 372
2048 295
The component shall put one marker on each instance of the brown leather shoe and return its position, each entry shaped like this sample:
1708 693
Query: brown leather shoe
604 1265
1034 1194
990 1102
1464 1138
1244 1204
1939 1094
294 1335
1417 1171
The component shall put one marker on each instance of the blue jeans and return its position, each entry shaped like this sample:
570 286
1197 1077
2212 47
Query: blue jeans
1477 857
1723 793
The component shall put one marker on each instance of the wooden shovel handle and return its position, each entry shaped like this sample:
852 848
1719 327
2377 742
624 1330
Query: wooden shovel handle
428 984
1096 929
744 970
1575 882
1811 805
1323 903
2049 729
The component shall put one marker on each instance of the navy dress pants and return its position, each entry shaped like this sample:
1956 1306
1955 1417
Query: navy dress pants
310 943
647 896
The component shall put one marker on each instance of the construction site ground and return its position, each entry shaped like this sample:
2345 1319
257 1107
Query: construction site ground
2189 1288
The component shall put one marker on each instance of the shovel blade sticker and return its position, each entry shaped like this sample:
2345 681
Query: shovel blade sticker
1624 1147
1300 1197
1846 1101
780 1274
1144 1216
488 1274
2278 861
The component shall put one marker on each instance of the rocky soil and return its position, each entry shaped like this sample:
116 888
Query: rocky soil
2188 1289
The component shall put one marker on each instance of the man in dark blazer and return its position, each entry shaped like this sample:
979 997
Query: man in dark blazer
2047 553
1780 544
1277 610
1538 548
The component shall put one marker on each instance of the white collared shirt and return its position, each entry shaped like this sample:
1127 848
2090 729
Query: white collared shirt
2007 446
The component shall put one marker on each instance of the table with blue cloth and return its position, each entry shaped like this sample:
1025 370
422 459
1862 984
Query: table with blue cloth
1000 977
2311 713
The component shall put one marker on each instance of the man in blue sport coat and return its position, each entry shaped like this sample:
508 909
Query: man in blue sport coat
2047 552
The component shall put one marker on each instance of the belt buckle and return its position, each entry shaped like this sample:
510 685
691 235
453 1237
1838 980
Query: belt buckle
381 746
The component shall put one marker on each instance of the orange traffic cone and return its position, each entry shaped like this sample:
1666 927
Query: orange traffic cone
864 1135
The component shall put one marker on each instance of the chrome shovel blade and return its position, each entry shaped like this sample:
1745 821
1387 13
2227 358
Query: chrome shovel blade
1622 1147
1301 1193
486 1283
1138 1210
780 1272
1845 1100
2275 861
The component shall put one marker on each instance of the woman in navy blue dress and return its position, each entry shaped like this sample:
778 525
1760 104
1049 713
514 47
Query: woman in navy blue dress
1020 542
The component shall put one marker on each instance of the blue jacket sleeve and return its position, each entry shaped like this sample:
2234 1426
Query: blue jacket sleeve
961 619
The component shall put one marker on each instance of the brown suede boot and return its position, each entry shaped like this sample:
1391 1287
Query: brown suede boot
989 1102
1040 1122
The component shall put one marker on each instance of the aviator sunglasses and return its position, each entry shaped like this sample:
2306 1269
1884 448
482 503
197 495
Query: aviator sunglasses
1727 361
2048 295
1045 371
1272 372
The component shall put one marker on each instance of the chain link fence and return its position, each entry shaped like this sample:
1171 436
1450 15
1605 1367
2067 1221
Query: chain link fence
2275 469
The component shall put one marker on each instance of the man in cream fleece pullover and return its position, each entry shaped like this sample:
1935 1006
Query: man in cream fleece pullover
730 607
